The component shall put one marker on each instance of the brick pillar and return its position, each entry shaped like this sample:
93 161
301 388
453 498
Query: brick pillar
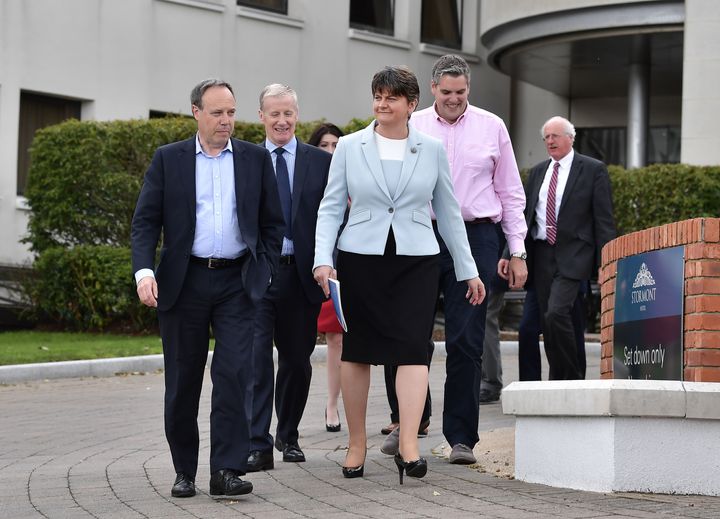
701 320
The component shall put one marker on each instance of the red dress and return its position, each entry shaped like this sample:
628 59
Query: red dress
327 320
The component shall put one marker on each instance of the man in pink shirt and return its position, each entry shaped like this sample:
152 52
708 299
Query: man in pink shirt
488 187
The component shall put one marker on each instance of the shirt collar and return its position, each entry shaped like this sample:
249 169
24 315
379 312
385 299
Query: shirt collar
198 146
290 147
566 161
457 121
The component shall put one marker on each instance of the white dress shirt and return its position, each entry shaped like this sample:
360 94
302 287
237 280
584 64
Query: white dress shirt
540 229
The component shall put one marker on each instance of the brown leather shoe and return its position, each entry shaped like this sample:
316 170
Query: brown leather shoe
390 428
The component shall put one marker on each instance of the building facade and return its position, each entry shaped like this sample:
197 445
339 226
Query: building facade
624 72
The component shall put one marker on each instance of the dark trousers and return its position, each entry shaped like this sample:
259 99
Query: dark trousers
556 296
284 317
390 375
464 335
529 336
208 298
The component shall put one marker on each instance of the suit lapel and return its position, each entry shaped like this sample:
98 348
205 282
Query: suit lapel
412 153
302 164
575 169
534 191
369 149
186 158
240 180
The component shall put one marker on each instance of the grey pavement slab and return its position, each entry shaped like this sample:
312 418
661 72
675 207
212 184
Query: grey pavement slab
95 447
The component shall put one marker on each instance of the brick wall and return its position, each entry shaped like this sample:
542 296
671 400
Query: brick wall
701 322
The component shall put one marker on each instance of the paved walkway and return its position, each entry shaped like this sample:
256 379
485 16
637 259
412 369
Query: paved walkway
95 448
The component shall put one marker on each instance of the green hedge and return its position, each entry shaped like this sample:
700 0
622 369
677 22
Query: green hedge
85 177
663 193
88 287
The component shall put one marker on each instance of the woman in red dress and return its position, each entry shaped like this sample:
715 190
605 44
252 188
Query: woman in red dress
326 137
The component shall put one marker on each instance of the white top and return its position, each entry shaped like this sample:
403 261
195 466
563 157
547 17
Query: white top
540 230
390 149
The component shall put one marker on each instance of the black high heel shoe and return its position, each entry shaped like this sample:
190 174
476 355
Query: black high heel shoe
414 469
332 427
354 472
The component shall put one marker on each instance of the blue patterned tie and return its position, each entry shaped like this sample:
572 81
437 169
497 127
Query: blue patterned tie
283 180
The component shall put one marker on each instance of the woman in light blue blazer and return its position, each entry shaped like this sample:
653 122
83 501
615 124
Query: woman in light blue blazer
388 258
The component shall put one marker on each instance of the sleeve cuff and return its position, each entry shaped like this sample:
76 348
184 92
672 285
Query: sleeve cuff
143 273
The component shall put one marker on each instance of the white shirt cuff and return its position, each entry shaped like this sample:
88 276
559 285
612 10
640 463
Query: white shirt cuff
143 273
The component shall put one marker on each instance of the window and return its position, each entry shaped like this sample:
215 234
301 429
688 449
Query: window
373 15
663 146
441 23
605 144
38 111
610 144
276 6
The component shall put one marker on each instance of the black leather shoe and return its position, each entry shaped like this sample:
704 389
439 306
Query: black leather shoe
260 460
292 452
226 482
184 486
488 397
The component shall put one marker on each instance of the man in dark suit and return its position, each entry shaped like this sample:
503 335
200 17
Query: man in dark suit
216 203
288 313
569 218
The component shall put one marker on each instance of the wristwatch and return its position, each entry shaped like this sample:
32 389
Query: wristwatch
521 255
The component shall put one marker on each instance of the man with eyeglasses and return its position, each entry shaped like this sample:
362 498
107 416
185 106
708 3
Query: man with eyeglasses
569 218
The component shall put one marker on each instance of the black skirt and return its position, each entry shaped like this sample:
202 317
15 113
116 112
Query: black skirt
389 304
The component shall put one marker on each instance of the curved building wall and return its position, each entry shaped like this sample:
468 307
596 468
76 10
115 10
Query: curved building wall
576 58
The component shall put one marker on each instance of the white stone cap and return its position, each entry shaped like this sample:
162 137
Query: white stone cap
659 398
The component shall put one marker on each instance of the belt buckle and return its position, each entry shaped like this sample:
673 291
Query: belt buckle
212 262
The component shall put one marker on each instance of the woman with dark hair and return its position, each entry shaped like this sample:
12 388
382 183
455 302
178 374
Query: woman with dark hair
388 258
326 137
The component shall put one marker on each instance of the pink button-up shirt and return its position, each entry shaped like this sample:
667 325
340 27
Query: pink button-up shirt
484 172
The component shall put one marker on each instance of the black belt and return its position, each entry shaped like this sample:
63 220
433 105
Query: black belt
287 260
219 263
478 220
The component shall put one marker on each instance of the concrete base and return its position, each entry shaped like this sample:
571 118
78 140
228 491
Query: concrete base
617 435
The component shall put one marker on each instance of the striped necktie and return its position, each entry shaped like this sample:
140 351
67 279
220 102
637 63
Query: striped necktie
550 219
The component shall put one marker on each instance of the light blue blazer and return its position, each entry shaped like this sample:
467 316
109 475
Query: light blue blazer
356 172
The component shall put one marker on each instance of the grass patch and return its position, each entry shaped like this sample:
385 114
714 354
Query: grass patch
30 346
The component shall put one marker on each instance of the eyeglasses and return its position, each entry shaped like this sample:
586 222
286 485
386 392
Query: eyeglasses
554 136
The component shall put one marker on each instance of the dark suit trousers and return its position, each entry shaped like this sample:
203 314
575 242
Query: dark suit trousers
284 317
208 298
530 329
391 375
464 335
556 296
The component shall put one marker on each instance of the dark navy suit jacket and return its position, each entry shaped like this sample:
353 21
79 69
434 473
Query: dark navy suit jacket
309 181
167 203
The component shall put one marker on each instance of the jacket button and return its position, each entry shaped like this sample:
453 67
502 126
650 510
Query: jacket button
390 210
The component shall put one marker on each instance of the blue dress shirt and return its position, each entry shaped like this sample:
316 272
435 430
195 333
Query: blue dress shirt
289 155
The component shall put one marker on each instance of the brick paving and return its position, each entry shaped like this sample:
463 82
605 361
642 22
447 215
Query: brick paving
94 447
